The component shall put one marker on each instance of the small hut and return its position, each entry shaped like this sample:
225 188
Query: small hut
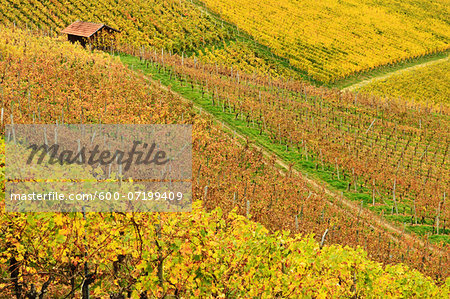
87 32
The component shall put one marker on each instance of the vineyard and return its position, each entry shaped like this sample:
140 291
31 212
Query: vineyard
56 81
324 44
247 58
423 84
176 26
331 40
371 144
147 22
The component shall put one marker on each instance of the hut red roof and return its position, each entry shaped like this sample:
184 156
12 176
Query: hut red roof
85 29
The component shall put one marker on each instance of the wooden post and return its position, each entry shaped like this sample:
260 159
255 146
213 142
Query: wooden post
160 255
13 129
323 238
56 134
393 196
439 214
371 125
373 192
248 209
306 152
415 211
337 168
46 141
321 160
205 193
86 281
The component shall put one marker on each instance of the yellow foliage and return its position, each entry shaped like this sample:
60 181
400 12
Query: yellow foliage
424 84
333 39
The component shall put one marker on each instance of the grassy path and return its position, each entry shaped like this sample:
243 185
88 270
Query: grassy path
386 69
381 77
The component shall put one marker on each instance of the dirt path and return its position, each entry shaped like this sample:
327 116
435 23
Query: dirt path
346 206
381 77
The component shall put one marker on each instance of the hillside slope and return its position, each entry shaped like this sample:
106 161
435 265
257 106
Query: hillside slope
66 83
322 44
334 39
324 134
179 26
